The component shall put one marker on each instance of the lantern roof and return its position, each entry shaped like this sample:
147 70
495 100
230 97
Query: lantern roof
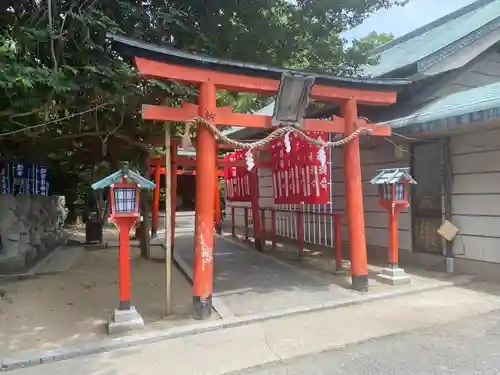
129 175
392 176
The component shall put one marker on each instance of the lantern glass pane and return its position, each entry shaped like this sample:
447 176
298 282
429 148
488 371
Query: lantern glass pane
400 191
125 200
386 192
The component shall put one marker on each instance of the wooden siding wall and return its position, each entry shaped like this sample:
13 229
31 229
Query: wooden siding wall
476 195
382 155
318 228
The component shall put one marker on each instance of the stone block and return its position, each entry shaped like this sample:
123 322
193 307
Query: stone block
393 276
30 226
124 321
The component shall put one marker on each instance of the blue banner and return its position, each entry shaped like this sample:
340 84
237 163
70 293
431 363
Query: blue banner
42 180
27 179
6 179
20 178
30 181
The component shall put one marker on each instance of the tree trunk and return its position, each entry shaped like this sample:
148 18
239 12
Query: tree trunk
143 232
144 229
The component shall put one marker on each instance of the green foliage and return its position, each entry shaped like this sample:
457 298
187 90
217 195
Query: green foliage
365 48
68 99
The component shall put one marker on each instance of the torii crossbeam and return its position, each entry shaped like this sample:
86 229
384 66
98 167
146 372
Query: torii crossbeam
211 74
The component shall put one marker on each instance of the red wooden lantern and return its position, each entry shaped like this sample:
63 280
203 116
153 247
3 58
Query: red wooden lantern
124 187
393 187
393 197
124 200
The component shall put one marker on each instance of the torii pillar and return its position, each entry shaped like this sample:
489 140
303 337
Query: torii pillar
206 151
354 200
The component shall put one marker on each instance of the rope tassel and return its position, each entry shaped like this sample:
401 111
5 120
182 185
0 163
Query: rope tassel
186 143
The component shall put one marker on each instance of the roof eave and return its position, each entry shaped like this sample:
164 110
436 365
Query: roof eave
132 47
449 124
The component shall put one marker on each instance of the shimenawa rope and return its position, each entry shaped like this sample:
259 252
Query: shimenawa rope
186 139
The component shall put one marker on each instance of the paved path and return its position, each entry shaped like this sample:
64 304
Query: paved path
250 282
468 346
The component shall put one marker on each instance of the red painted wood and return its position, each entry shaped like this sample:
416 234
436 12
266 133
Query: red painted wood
224 116
243 83
205 193
338 241
217 202
254 198
124 225
156 201
354 197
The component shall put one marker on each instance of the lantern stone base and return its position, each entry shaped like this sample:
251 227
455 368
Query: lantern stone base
393 276
124 321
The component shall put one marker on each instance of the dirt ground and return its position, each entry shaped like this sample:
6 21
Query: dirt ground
63 309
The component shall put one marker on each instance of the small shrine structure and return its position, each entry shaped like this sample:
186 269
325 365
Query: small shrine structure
210 74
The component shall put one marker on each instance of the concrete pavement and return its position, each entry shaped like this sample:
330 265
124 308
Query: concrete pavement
249 282
234 349
466 347
249 288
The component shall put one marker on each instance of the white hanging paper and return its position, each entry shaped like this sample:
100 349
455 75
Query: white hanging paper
288 145
322 157
249 160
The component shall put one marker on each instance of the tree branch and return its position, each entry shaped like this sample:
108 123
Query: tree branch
52 47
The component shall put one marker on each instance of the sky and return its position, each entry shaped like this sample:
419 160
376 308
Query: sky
402 20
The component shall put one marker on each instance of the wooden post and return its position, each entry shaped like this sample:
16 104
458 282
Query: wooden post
173 189
206 151
300 232
245 212
354 198
124 227
217 208
156 202
233 222
254 197
338 242
263 224
273 227
168 225
393 240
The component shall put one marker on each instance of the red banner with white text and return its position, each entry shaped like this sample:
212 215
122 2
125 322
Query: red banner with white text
237 179
298 175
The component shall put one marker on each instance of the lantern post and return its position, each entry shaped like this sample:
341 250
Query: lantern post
124 186
393 197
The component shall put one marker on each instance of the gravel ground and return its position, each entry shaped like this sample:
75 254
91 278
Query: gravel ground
467 347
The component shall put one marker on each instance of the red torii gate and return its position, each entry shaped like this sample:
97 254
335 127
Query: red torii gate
157 166
212 74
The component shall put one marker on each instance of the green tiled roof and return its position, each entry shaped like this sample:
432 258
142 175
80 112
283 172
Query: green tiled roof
424 46
462 108
392 176
117 177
